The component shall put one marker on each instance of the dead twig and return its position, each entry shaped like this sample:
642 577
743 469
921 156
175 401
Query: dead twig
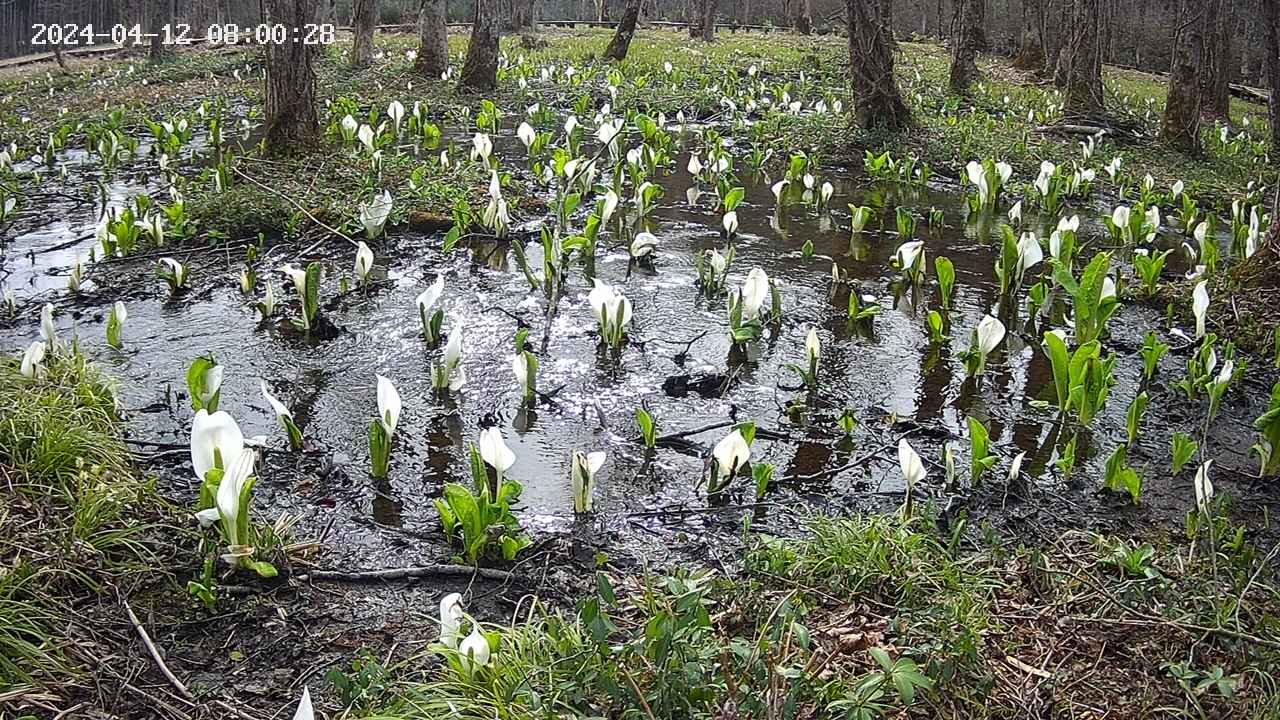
155 653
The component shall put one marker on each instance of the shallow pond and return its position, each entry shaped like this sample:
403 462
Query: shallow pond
890 376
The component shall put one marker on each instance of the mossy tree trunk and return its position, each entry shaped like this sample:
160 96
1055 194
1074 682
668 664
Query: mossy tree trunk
1219 59
1083 62
364 21
480 70
290 95
804 16
433 40
1180 126
965 43
621 41
877 102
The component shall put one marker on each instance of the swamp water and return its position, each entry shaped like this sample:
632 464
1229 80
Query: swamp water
887 373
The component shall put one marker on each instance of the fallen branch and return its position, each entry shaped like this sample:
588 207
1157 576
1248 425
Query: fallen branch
405 573
155 653
301 209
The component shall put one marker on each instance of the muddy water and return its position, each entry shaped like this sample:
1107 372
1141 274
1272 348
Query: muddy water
890 377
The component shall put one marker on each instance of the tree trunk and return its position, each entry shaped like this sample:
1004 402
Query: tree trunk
1271 17
707 20
159 13
364 20
480 71
970 17
617 49
290 97
433 40
1219 61
885 13
1180 126
522 16
804 16
1083 62
877 101
1030 51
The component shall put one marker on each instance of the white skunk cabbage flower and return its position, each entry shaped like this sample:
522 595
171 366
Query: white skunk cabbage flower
364 261
730 222
583 474
374 215
494 451
305 711
474 651
812 346
1200 305
388 405
215 441
732 452
990 334
481 147
48 331
754 293
450 619
527 135
1204 487
911 465
32 359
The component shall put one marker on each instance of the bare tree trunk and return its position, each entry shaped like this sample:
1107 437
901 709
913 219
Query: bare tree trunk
480 70
617 49
706 20
1030 50
433 40
1218 66
522 16
1180 126
804 16
159 14
965 41
885 13
364 20
1083 58
1271 17
877 101
290 96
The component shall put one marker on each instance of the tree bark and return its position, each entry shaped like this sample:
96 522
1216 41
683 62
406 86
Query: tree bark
480 70
1271 17
884 11
522 16
290 97
1030 50
965 42
804 16
1180 126
433 40
364 20
1083 62
877 101
707 20
1219 59
159 13
617 50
